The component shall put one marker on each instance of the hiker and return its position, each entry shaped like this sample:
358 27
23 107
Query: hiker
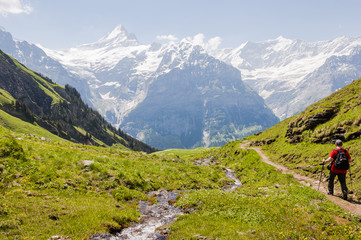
341 160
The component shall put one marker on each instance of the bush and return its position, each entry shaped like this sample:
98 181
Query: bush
122 193
9 147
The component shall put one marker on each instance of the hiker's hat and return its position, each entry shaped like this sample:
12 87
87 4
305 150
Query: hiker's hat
338 142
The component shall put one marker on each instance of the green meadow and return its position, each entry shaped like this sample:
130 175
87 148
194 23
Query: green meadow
52 187
48 189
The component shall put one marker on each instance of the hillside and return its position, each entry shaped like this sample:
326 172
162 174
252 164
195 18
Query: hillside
302 141
60 110
58 188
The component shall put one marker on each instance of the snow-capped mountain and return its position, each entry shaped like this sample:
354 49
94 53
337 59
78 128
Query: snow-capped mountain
168 95
199 101
292 74
183 93
36 59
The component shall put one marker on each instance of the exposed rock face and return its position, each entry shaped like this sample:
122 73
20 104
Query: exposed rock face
299 125
198 106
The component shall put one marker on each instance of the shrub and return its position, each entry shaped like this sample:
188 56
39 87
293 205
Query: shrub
122 193
9 147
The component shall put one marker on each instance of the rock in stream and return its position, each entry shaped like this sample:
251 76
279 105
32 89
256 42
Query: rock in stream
153 216
161 213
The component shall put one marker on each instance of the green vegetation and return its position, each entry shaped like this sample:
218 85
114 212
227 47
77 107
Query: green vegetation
60 110
5 97
51 186
61 188
269 205
302 141
19 126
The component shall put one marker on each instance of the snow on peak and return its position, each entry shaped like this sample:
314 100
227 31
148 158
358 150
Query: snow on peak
118 31
2 29
119 35
281 38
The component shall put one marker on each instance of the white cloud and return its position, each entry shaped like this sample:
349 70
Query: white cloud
14 7
211 44
214 43
170 38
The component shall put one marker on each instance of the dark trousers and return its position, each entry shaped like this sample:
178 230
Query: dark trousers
341 178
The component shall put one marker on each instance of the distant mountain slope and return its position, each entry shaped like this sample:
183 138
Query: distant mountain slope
37 99
292 74
170 95
204 103
116 73
301 142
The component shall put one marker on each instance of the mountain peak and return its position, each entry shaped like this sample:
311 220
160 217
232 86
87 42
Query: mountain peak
282 38
119 35
116 32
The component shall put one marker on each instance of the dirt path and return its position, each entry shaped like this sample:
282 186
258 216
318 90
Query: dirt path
349 206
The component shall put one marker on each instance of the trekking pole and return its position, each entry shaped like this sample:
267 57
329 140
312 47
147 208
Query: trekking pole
350 177
319 183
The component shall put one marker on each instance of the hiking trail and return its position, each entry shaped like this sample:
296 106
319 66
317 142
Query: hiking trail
349 206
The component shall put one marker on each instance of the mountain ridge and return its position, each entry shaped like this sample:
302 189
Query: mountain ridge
280 65
288 74
60 110
278 68
124 85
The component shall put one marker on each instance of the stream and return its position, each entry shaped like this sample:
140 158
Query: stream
155 216
232 176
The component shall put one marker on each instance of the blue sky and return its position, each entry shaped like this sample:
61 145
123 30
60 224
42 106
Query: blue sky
65 23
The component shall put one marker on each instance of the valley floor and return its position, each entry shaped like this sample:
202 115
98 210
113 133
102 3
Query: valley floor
57 188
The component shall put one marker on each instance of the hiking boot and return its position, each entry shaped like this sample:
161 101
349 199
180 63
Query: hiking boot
330 193
344 196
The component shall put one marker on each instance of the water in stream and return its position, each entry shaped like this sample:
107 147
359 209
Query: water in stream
161 213
153 217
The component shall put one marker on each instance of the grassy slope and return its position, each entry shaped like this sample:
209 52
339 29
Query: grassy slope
60 110
269 205
19 126
306 146
46 86
5 97
46 190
